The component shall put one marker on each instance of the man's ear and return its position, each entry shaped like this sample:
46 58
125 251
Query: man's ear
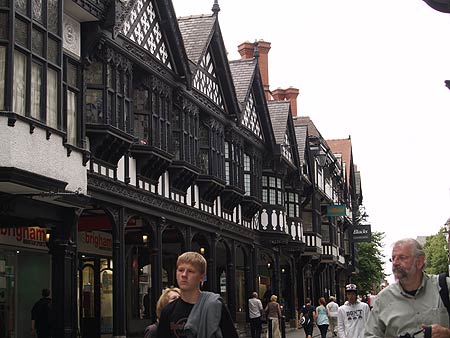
420 262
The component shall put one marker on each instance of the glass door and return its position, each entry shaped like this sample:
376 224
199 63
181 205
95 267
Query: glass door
89 299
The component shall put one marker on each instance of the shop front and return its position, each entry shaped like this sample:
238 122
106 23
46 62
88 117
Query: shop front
95 284
25 269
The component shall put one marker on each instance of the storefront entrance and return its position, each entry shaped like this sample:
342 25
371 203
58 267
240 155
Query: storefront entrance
95 296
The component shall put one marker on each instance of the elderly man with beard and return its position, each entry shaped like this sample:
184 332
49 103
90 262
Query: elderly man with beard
411 304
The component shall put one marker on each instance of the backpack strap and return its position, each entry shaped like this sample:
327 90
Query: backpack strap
444 291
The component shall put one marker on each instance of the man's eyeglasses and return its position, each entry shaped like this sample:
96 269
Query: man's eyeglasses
401 258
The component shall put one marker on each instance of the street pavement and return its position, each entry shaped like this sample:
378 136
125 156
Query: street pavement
298 333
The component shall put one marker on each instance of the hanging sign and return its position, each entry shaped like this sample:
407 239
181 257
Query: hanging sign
362 233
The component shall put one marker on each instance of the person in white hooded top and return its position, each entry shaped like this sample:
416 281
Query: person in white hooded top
352 316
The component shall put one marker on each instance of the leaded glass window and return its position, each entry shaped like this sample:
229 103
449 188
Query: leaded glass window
272 190
250 118
292 202
142 27
142 111
247 175
233 164
72 96
36 90
20 83
206 82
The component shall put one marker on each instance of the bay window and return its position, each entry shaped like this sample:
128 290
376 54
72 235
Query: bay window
272 190
37 61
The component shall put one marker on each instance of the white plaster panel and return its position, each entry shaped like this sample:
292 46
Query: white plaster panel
71 35
36 154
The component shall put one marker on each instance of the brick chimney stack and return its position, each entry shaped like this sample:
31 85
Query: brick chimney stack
290 94
246 50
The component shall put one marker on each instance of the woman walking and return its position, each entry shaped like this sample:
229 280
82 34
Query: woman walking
322 317
273 311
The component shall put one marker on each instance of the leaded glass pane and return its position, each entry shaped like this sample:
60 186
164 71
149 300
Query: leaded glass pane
71 117
3 26
52 15
271 181
21 31
20 83
53 51
37 10
94 106
110 75
94 74
37 42
72 75
2 76
52 98
3 3
22 6
36 90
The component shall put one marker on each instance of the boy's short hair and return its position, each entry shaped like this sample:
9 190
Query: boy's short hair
193 258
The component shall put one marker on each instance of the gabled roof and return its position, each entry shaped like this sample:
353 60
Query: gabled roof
201 34
243 73
279 112
197 31
152 25
343 147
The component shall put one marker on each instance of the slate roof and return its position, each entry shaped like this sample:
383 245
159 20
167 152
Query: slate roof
278 111
196 31
306 121
301 132
243 72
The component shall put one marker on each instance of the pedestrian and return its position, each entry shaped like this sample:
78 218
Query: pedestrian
146 304
333 312
196 313
273 310
306 316
405 308
255 311
322 317
42 316
168 296
352 316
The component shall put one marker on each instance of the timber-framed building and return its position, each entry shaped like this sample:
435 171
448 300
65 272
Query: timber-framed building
128 137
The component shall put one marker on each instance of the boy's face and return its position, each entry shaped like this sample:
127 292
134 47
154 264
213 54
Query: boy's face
189 277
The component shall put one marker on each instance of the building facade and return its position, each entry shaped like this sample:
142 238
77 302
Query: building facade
127 137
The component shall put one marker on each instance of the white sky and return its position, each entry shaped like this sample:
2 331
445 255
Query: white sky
374 70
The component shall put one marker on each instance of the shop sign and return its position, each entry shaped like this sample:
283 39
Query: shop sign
25 237
336 210
95 242
362 233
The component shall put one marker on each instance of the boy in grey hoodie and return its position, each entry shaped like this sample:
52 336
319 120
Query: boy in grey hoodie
196 314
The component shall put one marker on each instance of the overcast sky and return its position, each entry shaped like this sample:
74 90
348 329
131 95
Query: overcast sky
374 70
